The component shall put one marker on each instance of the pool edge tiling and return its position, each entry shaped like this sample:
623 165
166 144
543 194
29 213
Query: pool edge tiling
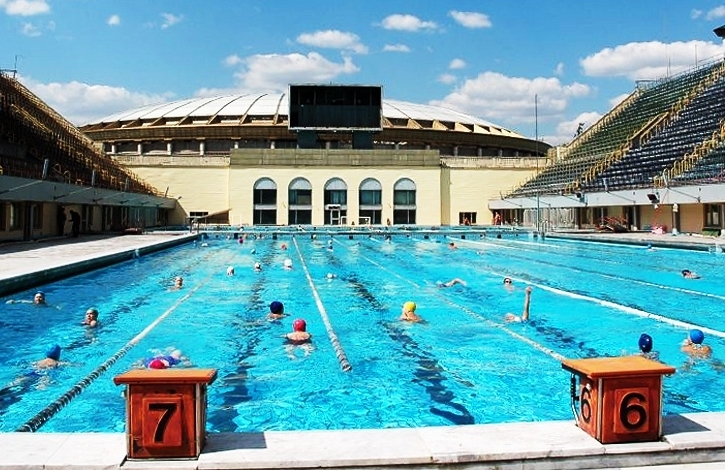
688 439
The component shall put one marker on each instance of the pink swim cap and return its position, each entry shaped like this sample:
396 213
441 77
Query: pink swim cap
157 364
299 325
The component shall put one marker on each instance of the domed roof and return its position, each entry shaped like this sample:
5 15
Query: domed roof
273 108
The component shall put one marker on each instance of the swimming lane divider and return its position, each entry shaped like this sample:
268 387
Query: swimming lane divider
608 276
49 411
530 342
341 356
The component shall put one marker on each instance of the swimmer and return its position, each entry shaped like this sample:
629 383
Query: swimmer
253 251
230 270
178 283
287 264
299 334
91 319
38 299
451 283
693 347
408 313
331 276
164 361
511 318
452 246
276 311
645 346
687 274
52 358
205 244
508 284
283 246
257 266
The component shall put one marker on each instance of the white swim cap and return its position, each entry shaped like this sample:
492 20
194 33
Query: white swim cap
330 275
287 263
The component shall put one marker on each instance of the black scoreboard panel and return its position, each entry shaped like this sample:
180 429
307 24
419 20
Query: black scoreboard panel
335 107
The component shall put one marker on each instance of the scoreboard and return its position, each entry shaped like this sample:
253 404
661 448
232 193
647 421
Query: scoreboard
335 108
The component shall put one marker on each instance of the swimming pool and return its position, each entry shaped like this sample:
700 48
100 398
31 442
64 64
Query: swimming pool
464 365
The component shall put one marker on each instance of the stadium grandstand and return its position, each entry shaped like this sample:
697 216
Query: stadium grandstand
47 165
654 162
237 159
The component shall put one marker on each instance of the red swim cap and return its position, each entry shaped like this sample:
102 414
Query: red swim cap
157 364
299 325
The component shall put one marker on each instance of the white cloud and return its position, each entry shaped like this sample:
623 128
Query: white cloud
695 14
618 99
25 7
566 130
559 70
274 72
511 99
30 30
715 13
396 48
114 20
410 23
648 60
170 20
333 39
81 103
457 64
447 78
232 60
471 19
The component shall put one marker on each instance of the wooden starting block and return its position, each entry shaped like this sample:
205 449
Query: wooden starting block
165 412
619 398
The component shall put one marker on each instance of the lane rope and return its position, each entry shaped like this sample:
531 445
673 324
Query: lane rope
54 407
502 327
339 351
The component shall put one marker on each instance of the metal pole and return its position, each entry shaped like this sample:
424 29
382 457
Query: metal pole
536 126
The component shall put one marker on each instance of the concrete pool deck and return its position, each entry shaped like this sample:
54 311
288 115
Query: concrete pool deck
690 441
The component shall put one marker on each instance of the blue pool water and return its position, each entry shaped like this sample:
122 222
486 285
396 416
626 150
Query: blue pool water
464 365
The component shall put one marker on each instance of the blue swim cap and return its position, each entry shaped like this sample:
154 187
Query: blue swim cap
645 343
276 307
53 352
697 336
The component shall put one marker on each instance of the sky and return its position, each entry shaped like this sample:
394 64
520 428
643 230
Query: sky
540 68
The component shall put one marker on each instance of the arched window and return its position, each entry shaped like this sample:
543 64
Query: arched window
371 201
404 206
335 202
265 202
300 201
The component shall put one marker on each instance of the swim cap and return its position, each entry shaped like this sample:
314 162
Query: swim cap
330 275
287 263
53 352
253 251
439 283
257 266
157 364
697 336
276 307
409 306
299 325
645 343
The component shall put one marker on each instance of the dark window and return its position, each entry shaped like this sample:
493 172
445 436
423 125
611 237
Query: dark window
37 216
466 216
300 197
336 196
713 215
265 196
403 216
404 197
370 197
265 217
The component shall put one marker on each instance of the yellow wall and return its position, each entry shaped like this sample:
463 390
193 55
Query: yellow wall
691 218
203 189
471 188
